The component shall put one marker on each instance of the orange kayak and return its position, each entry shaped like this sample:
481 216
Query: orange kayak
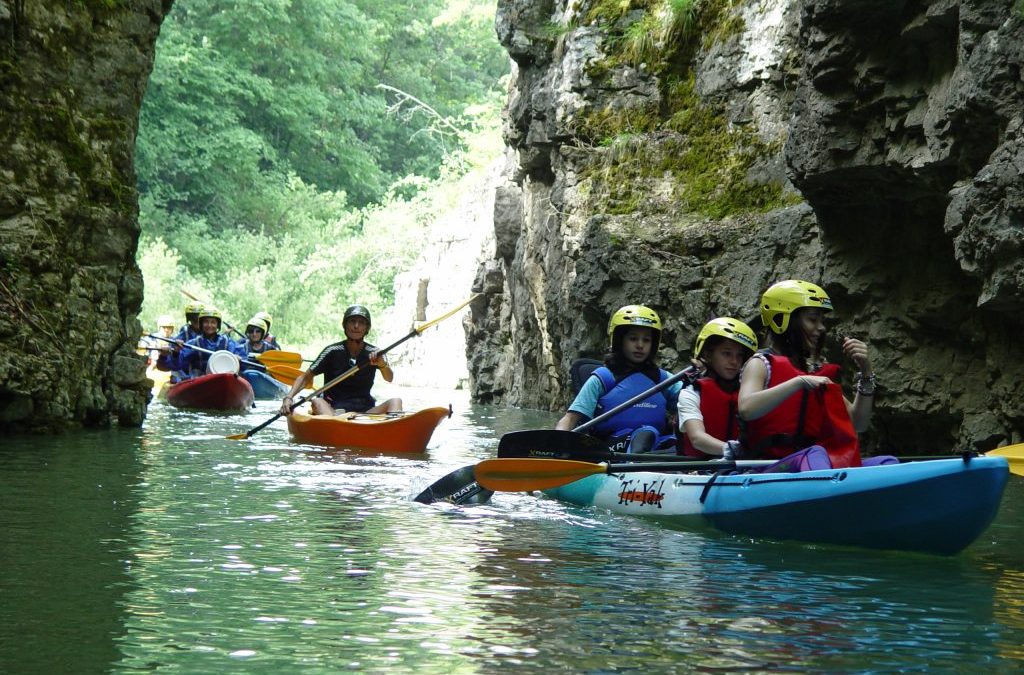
395 432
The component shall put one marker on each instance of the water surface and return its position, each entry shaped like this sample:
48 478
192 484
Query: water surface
173 549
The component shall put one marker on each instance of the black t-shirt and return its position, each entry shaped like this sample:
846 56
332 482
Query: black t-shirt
352 393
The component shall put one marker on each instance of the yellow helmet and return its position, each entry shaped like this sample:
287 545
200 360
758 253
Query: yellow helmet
211 312
780 301
635 315
266 317
165 320
193 308
729 328
257 322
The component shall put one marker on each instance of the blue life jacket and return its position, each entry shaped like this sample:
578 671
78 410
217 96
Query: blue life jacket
185 333
193 362
648 412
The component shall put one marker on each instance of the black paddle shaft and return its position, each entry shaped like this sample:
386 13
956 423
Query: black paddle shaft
689 374
207 351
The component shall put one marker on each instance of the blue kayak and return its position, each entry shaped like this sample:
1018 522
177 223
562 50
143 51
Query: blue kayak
264 386
937 506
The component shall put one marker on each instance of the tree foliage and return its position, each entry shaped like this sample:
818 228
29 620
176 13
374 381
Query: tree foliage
274 169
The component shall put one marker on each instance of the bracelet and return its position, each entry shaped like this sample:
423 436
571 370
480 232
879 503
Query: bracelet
865 385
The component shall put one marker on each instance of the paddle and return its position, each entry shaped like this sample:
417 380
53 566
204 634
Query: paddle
525 475
286 374
278 356
562 444
351 371
458 487
559 444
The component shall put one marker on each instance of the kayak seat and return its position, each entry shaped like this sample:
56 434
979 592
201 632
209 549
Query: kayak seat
580 370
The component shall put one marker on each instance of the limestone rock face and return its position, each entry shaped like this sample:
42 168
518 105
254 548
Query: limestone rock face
72 77
892 134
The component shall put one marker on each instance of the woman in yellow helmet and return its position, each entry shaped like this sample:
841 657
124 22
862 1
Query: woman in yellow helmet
193 362
707 410
789 397
630 368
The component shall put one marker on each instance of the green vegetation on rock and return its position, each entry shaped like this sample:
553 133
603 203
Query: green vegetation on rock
681 141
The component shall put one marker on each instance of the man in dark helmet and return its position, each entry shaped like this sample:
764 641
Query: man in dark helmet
353 393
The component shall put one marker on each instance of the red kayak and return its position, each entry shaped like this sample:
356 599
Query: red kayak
217 391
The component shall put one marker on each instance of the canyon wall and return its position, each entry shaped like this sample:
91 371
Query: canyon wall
72 78
871 146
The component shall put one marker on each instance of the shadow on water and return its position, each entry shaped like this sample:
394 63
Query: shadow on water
66 548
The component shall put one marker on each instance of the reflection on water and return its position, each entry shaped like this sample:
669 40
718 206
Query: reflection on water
175 549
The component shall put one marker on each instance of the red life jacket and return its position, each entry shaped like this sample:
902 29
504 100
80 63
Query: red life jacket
718 407
808 418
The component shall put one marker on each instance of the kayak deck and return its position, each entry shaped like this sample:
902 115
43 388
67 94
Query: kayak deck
264 387
407 432
937 506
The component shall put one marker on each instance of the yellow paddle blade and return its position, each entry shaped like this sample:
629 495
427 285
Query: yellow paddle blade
277 356
1014 454
419 329
524 475
286 374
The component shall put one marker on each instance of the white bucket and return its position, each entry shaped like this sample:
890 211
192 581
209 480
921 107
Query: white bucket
222 361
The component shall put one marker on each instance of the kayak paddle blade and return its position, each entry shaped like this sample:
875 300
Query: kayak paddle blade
459 487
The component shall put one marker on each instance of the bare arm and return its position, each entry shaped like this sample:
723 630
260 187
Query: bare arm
301 382
755 401
382 365
701 439
569 421
860 408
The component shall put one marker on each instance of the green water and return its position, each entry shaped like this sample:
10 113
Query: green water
175 550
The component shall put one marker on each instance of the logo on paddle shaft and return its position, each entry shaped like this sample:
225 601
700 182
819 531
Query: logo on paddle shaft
644 494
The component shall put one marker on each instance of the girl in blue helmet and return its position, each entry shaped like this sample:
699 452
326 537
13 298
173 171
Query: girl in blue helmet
630 368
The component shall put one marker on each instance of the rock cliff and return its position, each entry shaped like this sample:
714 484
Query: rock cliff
72 77
688 158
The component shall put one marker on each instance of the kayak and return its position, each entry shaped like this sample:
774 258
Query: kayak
937 506
216 391
394 432
160 378
264 387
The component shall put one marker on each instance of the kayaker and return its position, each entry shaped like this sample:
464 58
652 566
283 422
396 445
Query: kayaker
148 344
790 402
268 337
192 362
254 342
630 368
707 410
353 393
191 328
167 361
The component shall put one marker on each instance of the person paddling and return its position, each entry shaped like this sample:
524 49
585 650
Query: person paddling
191 328
268 337
193 362
789 400
634 334
707 410
254 343
353 393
